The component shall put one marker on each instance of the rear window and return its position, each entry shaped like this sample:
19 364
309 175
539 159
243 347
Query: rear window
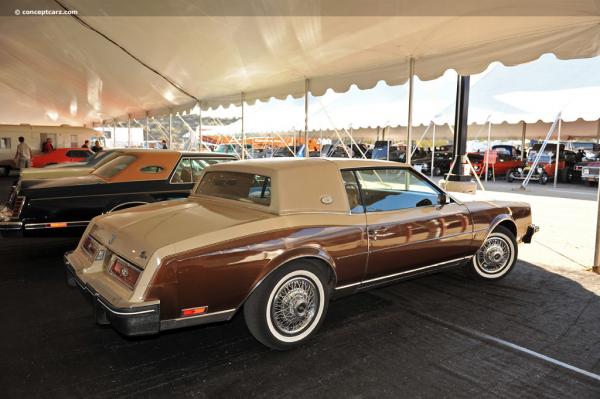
245 187
114 167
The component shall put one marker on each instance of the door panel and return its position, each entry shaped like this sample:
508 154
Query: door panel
412 238
407 225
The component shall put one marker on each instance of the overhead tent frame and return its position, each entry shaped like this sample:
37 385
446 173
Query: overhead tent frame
268 48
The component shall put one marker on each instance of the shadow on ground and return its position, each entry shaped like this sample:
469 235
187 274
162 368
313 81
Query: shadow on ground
389 342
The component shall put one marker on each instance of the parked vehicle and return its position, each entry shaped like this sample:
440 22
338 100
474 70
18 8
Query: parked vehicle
590 172
64 206
546 167
385 150
61 155
250 238
443 158
72 168
505 162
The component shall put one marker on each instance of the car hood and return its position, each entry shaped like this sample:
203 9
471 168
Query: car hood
53 173
136 233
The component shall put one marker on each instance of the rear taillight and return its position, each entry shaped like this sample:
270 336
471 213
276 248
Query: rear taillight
93 249
125 273
17 206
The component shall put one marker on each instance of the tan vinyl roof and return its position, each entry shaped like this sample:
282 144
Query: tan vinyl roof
302 185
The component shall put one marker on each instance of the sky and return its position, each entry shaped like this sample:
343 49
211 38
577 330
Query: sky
529 92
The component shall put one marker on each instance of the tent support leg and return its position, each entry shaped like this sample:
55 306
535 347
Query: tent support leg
243 130
460 130
432 151
557 161
306 149
170 128
596 267
128 130
199 135
147 130
410 111
523 136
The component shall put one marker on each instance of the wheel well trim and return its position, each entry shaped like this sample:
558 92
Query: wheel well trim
497 221
313 256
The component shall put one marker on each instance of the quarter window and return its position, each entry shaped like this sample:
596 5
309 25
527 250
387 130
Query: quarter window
394 189
238 186
352 191
189 170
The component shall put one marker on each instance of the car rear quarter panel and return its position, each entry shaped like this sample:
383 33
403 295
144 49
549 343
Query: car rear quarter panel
221 276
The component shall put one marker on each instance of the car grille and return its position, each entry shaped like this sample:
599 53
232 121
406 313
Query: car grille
17 206
590 171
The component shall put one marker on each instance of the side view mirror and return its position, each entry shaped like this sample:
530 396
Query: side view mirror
442 199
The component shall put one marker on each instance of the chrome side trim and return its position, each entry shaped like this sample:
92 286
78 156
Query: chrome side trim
122 313
201 316
11 225
39 226
390 276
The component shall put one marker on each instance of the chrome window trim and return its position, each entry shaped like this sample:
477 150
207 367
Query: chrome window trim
127 203
391 276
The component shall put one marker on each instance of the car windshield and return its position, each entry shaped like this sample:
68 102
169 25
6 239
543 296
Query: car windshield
546 157
114 167
244 187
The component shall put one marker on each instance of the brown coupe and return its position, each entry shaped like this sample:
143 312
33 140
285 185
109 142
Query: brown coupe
278 238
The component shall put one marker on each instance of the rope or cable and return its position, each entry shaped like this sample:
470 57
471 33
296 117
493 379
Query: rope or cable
129 53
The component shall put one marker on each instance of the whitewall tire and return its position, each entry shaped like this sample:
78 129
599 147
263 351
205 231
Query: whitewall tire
496 257
288 307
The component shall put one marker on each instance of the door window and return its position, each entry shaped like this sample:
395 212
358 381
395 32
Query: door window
394 189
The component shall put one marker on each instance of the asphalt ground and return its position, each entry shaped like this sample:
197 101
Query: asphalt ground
534 334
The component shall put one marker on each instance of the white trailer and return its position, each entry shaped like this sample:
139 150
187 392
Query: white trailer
62 137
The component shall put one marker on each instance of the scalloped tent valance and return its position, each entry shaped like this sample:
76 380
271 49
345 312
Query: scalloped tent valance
58 70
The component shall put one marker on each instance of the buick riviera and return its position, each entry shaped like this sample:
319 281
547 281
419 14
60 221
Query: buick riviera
251 239
64 206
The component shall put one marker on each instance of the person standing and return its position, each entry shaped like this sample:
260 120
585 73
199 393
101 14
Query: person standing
86 144
48 147
23 155
164 145
96 147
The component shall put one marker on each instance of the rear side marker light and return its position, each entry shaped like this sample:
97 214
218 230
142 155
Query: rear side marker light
58 225
194 311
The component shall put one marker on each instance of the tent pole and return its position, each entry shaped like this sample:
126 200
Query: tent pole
129 130
432 151
199 135
147 130
306 150
461 114
488 150
523 135
411 77
114 136
243 130
170 127
557 160
596 267
598 133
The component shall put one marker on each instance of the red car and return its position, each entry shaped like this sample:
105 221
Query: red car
61 155
503 165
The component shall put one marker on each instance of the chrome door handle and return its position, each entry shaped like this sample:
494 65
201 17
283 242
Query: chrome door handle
376 233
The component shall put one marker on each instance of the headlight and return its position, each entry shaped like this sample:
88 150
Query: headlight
520 170
540 170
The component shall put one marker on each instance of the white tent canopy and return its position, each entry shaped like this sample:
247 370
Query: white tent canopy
56 69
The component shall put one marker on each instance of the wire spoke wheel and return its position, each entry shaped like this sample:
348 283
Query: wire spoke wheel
294 305
494 255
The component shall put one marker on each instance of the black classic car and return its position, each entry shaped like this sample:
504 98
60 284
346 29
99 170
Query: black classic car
64 206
